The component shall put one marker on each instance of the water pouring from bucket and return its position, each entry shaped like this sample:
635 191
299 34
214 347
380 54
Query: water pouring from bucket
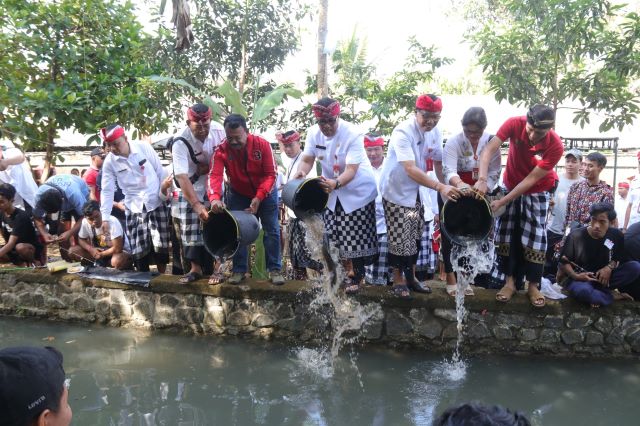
225 232
305 197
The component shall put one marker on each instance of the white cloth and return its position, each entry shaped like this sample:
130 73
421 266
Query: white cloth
459 157
621 209
345 147
115 231
429 199
203 151
408 143
18 175
551 291
557 214
634 202
138 175
381 224
291 166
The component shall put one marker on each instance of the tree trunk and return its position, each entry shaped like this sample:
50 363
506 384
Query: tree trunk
323 86
243 64
48 157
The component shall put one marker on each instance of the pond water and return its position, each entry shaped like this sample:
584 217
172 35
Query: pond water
133 377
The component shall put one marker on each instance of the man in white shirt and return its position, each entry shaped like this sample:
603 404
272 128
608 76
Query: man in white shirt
558 207
410 156
136 168
622 202
299 254
632 215
104 249
192 152
14 170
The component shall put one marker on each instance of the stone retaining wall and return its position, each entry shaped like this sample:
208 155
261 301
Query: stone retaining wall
259 310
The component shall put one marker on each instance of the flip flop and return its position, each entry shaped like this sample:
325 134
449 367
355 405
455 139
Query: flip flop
536 298
216 278
401 291
453 289
618 295
505 294
189 278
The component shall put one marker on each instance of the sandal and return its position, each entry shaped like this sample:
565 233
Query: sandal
536 298
505 294
189 278
349 286
418 287
452 290
617 295
216 278
401 291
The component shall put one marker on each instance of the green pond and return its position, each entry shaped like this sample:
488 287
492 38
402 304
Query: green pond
133 377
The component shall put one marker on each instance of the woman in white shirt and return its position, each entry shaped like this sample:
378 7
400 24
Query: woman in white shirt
350 216
461 168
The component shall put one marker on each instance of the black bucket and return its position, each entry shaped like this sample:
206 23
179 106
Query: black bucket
225 232
304 196
467 219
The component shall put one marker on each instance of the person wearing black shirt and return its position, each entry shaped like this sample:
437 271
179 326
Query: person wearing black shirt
21 243
594 260
632 242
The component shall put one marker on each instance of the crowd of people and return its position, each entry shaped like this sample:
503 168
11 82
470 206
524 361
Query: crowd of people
382 215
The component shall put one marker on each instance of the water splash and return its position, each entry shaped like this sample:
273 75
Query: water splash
469 259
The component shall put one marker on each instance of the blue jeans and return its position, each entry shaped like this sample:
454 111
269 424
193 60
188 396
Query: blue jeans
268 216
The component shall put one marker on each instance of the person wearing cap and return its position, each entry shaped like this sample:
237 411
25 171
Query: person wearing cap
90 176
415 149
461 169
15 170
350 216
521 234
136 169
250 167
22 246
33 387
558 207
299 254
377 273
621 203
65 194
192 152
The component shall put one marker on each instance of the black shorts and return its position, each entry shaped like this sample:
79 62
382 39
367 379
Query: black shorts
15 258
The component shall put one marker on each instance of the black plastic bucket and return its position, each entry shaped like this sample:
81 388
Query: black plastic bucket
225 232
304 196
467 219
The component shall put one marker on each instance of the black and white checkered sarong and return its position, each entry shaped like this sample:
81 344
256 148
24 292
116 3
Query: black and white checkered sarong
427 258
354 234
379 272
405 226
188 224
148 230
298 251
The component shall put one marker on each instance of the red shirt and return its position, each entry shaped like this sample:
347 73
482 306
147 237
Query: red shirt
251 171
90 178
523 157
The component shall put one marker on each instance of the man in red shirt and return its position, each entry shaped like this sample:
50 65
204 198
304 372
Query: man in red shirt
251 170
90 176
521 237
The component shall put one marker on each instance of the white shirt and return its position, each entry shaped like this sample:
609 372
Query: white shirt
621 209
345 147
203 151
381 224
87 232
634 201
459 157
291 166
408 143
559 210
429 199
138 175
20 176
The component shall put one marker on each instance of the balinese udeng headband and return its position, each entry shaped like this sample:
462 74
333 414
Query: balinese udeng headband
286 140
371 141
198 116
623 185
330 111
111 135
425 102
539 124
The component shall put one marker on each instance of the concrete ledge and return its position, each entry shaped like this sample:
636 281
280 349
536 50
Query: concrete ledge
256 309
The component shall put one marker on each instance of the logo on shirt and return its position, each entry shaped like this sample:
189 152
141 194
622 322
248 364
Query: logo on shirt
257 155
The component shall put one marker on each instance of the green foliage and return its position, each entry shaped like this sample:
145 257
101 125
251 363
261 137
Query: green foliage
559 51
73 63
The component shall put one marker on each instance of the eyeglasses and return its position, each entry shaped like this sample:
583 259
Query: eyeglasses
325 121
429 115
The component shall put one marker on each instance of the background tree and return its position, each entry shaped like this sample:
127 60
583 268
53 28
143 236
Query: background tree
73 64
561 51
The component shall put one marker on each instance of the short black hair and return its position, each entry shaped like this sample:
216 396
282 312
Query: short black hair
288 133
90 207
475 115
599 208
541 116
476 414
234 121
7 191
50 200
325 102
200 108
111 126
598 158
